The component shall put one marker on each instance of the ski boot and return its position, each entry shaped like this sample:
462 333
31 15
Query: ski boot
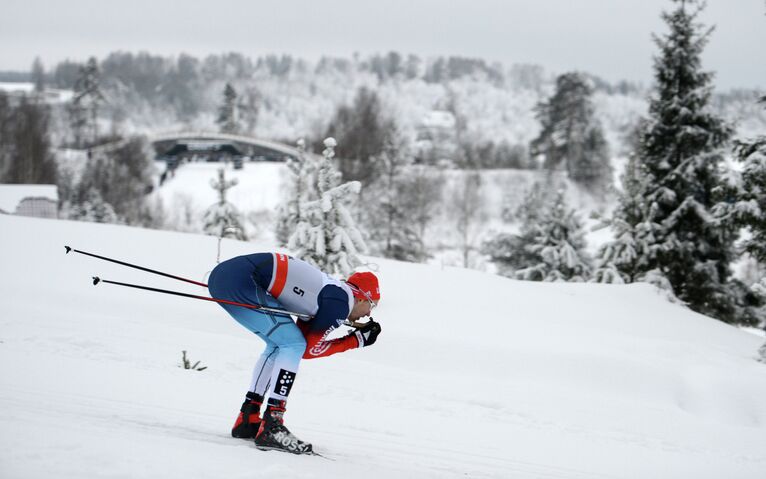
249 419
273 435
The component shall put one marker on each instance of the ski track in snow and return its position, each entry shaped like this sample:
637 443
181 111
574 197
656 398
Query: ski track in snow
385 451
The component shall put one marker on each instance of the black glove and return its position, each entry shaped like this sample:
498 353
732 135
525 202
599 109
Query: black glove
368 333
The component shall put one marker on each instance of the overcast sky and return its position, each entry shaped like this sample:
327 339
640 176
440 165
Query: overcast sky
610 38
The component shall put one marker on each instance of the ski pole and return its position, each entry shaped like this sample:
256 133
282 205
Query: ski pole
130 265
97 280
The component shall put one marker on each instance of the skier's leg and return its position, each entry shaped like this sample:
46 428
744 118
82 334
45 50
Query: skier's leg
274 376
289 348
232 280
263 368
249 419
285 348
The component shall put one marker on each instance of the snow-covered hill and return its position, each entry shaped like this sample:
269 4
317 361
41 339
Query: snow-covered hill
259 191
188 194
474 375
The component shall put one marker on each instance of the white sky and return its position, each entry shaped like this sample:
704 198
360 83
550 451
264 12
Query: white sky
610 38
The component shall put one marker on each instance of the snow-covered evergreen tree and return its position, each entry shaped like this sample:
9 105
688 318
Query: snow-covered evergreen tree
398 219
326 235
122 174
38 75
390 213
86 102
222 218
468 211
680 155
571 136
536 200
750 207
748 210
249 108
301 172
6 133
554 247
93 209
421 189
78 120
25 145
617 260
510 252
228 112
364 130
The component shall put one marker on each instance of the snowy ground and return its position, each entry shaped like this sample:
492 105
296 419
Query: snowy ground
473 376
258 184
188 194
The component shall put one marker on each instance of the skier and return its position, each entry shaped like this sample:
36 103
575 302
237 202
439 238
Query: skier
280 281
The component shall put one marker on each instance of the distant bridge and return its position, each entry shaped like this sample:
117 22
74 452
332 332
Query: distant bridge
213 144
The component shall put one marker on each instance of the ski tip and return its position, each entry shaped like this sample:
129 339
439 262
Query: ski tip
96 280
68 249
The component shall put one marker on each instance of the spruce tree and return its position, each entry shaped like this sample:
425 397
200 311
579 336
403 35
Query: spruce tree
92 208
38 75
222 219
390 215
680 155
249 110
400 240
78 121
228 112
25 145
421 190
536 200
86 102
363 130
121 174
301 172
571 136
510 251
326 235
553 248
748 210
6 133
467 207
618 260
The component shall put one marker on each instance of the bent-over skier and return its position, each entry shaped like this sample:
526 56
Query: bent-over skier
279 281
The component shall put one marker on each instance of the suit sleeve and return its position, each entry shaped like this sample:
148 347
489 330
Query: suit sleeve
333 306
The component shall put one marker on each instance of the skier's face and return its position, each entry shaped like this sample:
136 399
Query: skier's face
362 307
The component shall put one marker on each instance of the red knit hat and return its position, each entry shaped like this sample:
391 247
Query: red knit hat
364 285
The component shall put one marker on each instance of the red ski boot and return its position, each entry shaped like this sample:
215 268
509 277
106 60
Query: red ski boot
249 419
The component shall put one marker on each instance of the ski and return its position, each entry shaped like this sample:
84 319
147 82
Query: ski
309 453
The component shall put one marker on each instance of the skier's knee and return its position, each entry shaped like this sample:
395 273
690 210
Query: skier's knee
294 347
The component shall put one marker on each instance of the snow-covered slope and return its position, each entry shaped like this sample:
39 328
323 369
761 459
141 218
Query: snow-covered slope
258 185
187 194
474 375
259 190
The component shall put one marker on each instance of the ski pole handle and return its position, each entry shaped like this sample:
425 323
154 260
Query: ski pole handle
354 324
